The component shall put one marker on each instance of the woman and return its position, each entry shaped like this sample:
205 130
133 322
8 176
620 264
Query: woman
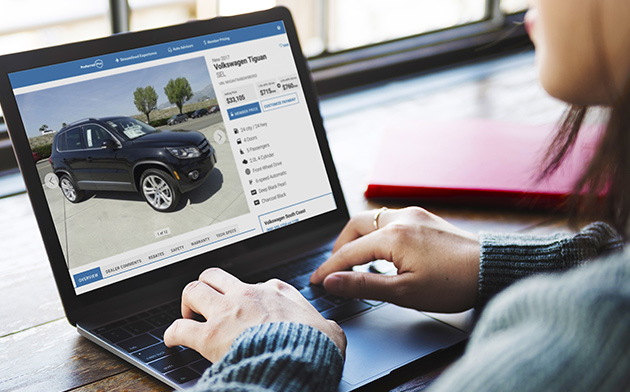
563 331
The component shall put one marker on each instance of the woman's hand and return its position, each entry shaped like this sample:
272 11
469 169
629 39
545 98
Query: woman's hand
231 306
438 264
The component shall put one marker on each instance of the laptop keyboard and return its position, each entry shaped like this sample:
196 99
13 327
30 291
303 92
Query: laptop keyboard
142 335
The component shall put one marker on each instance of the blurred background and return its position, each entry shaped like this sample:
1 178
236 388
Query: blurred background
324 26
349 43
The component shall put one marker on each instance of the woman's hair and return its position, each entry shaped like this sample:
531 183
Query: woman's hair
603 191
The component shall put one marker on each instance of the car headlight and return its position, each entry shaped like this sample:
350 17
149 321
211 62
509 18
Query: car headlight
184 152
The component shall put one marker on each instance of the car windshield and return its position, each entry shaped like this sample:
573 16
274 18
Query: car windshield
131 127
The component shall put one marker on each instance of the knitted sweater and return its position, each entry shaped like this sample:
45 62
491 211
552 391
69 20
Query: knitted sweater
554 332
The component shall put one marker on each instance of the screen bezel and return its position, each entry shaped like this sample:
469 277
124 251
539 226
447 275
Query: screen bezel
75 305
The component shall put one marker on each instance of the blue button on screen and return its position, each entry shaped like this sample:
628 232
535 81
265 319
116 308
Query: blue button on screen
87 277
244 111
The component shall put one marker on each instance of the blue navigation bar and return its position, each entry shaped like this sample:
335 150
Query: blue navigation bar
144 54
244 111
87 277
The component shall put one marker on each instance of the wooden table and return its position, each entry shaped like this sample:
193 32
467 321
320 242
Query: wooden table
40 351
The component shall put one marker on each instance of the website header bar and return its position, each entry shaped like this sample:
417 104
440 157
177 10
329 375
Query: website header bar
136 56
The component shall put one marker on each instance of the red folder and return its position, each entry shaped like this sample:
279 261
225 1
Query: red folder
476 162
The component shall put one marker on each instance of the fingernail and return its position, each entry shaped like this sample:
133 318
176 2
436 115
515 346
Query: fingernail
190 285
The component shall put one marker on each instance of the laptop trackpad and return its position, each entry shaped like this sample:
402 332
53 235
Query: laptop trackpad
390 337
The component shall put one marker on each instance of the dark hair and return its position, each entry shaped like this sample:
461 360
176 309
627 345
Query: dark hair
603 191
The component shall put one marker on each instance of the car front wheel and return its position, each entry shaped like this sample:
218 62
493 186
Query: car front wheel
70 190
159 190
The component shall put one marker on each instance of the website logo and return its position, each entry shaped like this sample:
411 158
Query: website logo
98 63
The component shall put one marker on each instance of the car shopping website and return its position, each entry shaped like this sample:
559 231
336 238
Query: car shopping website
269 171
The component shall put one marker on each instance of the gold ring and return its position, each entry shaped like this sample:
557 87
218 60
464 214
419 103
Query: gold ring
376 215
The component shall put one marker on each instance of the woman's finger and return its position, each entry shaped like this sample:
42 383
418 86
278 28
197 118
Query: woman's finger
198 298
220 280
184 332
362 224
365 285
370 247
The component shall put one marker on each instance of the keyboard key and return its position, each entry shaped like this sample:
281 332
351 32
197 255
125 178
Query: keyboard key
312 292
297 284
175 361
372 302
159 332
305 280
108 327
297 272
200 366
116 335
321 305
138 342
160 320
139 327
346 310
174 313
319 259
183 375
155 352
336 299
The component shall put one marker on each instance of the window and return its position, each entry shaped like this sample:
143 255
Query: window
343 38
513 6
349 42
355 23
354 42
70 140
30 24
61 143
95 135
329 26
150 14
326 27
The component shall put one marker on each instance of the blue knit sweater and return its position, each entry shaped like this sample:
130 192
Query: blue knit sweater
558 331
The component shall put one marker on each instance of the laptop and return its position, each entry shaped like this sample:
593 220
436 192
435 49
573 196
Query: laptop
469 173
151 156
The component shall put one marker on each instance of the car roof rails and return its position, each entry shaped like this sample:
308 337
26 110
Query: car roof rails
79 121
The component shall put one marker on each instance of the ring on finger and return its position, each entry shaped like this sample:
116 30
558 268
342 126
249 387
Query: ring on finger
377 215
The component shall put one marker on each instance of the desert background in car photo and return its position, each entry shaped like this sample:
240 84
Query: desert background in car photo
110 223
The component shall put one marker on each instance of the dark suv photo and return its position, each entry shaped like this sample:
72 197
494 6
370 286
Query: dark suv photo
125 154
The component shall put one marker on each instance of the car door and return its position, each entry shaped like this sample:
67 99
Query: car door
72 153
108 165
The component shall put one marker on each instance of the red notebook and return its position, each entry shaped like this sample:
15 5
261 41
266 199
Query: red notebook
475 162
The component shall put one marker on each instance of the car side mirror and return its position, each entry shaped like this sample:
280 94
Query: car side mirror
109 144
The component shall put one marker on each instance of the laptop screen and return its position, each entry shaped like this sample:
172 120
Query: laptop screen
150 156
